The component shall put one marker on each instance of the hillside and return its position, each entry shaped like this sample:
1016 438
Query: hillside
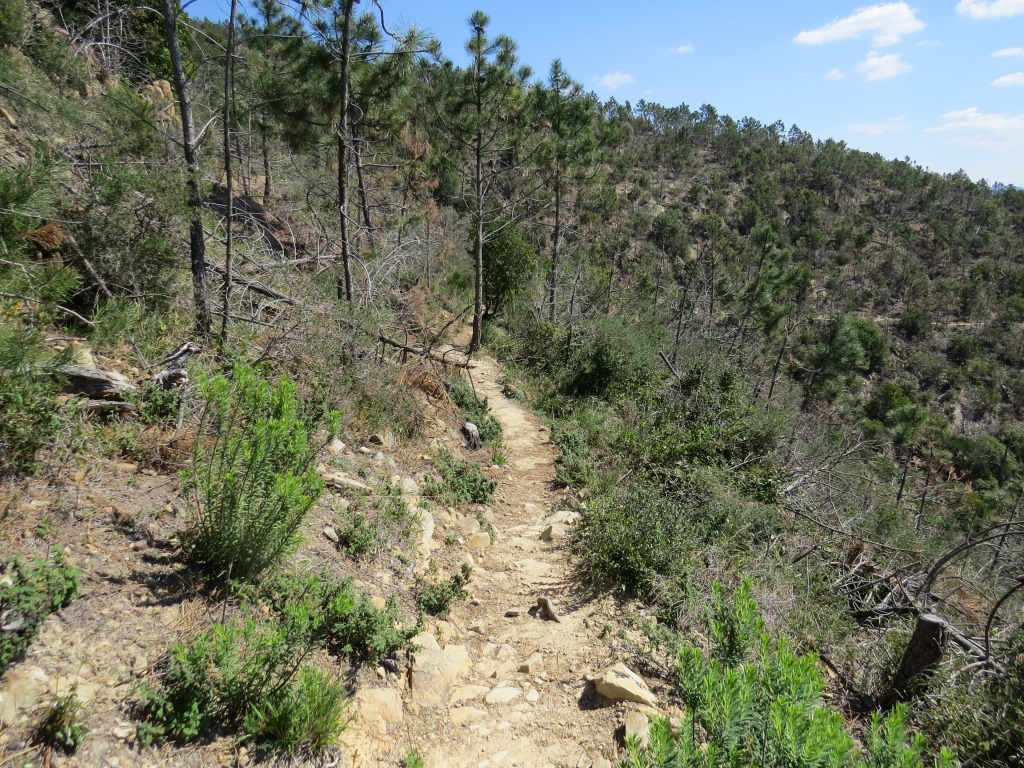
361 409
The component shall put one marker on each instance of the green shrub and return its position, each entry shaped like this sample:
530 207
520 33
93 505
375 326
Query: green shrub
214 684
574 467
12 22
754 702
437 598
509 262
253 478
963 348
475 410
36 589
915 323
60 728
310 714
614 356
375 521
28 399
331 612
459 483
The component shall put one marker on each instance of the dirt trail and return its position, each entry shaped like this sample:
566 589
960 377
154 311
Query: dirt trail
493 714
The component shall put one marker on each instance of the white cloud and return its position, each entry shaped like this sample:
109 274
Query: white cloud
681 49
929 44
1017 78
990 9
835 74
892 125
888 22
615 80
1008 52
988 130
877 67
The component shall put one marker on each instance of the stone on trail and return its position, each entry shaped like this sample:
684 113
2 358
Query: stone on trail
502 695
468 693
532 665
620 683
463 715
331 534
426 641
478 540
434 673
638 726
379 704
554 532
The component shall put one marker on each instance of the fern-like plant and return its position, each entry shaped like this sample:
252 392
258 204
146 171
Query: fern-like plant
253 478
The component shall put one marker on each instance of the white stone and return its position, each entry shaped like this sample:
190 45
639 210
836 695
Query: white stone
620 683
502 695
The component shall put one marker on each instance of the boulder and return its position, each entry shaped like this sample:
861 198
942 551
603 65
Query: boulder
379 705
479 540
638 726
620 683
434 673
554 532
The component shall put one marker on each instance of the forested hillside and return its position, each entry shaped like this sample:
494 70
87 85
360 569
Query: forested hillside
784 378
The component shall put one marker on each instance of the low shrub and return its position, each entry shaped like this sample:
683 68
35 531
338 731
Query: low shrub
60 728
30 590
333 613
459 483
253 478
241 677
437 598
755 702
475 410
574 467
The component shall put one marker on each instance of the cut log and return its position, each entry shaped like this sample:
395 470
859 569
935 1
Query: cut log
95 383
109 407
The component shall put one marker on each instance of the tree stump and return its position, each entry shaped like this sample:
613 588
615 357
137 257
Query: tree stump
923 653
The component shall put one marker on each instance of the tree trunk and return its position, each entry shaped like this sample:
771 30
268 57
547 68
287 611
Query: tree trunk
923 653
553 276
364 201
197 239
229 66
478 216
266 163
345 281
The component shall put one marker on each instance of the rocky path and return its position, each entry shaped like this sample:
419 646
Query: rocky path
505 686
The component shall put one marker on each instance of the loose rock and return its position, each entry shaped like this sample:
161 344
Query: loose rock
620 683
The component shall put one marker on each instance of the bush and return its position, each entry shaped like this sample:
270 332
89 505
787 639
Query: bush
253 478
240 676
754 702
331 612
437 598
459 483
28 399
475 410
574 467
60 728
613 357
12 22
509 262
915 323
30 590
963 348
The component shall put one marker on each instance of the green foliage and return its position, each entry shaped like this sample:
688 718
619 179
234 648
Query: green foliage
413 759
36 589
328 611
915 323
60 728
754 702
613 357
157 405
373 521
29 378
241 676
509 263
12 21
574 467
253 480
459 483
963 348
437 598
308 715
475 410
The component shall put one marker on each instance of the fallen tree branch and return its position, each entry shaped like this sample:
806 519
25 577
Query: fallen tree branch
424 352
253 285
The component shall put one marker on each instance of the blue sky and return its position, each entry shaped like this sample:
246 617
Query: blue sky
940 81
